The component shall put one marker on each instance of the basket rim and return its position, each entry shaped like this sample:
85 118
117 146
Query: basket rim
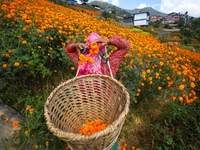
86 138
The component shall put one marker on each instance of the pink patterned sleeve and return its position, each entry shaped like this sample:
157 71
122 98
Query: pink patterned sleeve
73 55
118 55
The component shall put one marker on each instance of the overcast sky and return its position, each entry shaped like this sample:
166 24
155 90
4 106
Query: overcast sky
166 6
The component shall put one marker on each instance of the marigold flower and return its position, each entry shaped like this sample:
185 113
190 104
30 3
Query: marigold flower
161 63
80 62
5 66
55 70
90 60
24 65
125 144
192 85
28 21
67 147
181 87
24 42
94 49
178 73
28 106
72 68
47 143
15 123
31 110
7 55
11 146
16 64
173 98
9 51
137 94
180 98
32 53
24 29
7 120
39 47
123 148
148 71
132 147
26 132
18 37
159 88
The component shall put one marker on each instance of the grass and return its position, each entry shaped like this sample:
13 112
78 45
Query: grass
139 30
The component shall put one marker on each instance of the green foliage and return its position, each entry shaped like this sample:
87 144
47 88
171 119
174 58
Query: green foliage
111 7
167 26
180 129
106 15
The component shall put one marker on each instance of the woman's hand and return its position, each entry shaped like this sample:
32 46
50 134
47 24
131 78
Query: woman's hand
78 46
103 41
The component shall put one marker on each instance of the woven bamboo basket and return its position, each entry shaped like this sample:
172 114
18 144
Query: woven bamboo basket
91 97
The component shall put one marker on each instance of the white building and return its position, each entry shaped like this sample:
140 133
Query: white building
141 19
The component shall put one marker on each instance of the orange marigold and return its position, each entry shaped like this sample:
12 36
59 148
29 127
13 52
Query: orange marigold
24 42
15 123
192 85
16 64
181 87
5 66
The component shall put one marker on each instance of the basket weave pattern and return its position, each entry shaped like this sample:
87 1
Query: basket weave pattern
88 97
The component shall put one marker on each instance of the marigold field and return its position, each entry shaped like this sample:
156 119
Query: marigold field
34 35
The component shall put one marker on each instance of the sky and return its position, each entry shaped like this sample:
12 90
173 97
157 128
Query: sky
165 6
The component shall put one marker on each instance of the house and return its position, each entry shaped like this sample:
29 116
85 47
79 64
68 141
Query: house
128 20
172 17
73 2
155 18
98 7
141 19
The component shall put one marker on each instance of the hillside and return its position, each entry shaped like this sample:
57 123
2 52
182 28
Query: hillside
149 9
108 7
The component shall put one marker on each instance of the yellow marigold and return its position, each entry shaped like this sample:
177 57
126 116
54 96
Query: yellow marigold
161 63
16 64
28 21
39 46
148 71
24 29
72 68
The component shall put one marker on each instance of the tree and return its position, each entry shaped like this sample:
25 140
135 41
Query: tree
84 1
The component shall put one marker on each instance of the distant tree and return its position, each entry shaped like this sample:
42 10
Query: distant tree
181 22
84 1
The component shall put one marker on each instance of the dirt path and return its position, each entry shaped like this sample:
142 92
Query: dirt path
6 128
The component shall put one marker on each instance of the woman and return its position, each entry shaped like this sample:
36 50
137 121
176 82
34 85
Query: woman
73 50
